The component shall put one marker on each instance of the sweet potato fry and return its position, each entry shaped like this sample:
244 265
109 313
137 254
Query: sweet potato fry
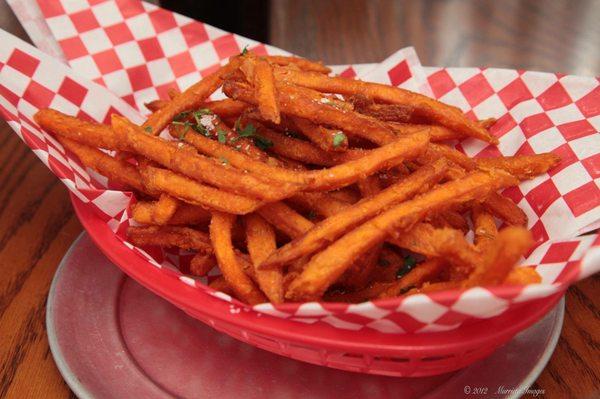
438 133
264 85
201 264
164 209
414 279
179 158
318 180
186 214
522 166
512 242
294 102
88 133
285 219
325 139
495 203
170 236
323 204
329 229
195 193
116 170
233 272
190 99
523 276
226 108
444 243
326 266
260 238
484 227
155 105
385 112
219 284
302 63
441 113
505 209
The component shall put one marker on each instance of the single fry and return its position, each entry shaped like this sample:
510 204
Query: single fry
88 133
264 84
326 267
219 284
170 236
522 166
438 133
302 63
285 219
195 193
260 238
164 209
331 228
325 139
414 279
424 106
201 264
523 276
323 204
233 272
484 227
116 170
143 212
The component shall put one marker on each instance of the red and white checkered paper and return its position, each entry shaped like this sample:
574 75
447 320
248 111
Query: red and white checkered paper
30 80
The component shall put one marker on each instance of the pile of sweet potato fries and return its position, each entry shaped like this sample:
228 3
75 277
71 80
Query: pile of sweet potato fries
304 186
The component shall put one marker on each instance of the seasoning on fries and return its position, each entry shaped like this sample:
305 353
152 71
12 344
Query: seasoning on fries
301 186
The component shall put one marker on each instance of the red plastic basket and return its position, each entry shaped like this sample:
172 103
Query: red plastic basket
360 351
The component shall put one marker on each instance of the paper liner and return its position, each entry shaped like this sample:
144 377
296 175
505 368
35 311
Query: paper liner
30 80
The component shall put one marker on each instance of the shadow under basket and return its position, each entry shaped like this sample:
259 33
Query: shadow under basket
364 351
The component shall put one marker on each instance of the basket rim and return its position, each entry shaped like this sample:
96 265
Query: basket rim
188 298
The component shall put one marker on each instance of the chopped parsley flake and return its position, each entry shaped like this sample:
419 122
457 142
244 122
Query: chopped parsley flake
338 139
245 50
311 215
148 129
222 136
224 161
249 131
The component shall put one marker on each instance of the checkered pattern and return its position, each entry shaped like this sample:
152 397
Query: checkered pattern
537 112
138 50
30 80
401 69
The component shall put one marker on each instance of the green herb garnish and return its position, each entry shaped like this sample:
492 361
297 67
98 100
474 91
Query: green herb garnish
338 139
224 161
249 131
262 142
222 136
148 129
311 215
245 50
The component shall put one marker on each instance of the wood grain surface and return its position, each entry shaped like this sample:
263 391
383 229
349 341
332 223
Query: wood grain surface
37 224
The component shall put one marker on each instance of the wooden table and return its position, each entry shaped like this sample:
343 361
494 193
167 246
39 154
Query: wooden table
37 224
